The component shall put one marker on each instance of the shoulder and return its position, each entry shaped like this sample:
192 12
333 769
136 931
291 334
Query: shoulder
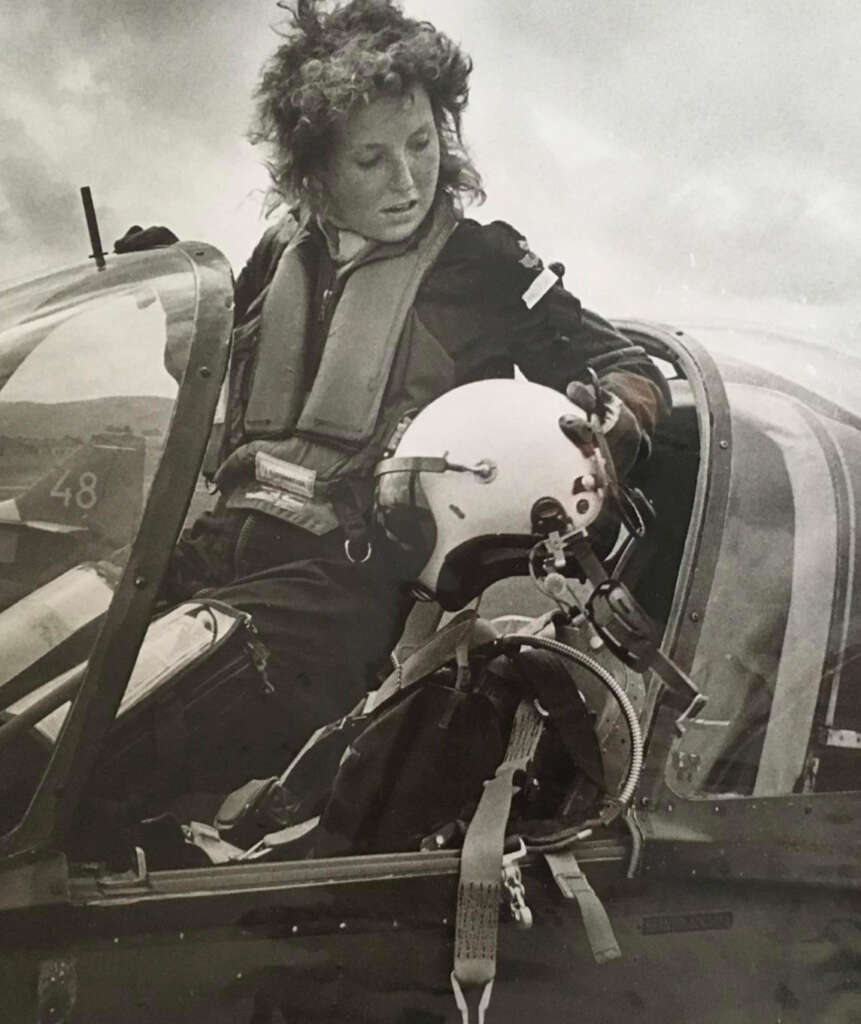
497 242
264 257
491 258
275 238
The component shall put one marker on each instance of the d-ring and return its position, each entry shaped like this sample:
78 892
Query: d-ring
358 561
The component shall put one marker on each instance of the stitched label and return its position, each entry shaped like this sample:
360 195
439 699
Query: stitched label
296 480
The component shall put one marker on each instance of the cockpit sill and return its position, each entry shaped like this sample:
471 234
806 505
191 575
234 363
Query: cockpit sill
44 889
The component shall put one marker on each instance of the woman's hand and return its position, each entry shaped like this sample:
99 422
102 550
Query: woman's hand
608 414
136 239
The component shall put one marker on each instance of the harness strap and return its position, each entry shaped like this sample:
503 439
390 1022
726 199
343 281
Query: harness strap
481 865
422 622
573 884
348 501
561 699
437 650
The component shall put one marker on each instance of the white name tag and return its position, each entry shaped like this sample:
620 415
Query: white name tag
278 498
539 287
296 481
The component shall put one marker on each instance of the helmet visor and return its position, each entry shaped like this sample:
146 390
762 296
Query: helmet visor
403 513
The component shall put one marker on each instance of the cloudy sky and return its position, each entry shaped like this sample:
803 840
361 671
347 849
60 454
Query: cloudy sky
682 157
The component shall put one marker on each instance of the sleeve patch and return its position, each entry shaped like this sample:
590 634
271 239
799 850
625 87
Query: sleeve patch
528 259
539 288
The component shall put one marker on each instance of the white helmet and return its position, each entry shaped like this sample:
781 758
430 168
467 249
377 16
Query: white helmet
478 477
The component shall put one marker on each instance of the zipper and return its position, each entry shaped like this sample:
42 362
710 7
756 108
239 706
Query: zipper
325 300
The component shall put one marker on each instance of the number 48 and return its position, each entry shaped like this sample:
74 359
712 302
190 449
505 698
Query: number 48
85 497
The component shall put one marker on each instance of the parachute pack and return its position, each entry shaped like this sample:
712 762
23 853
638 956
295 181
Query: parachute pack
406 768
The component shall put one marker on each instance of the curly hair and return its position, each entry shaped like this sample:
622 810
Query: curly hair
331 61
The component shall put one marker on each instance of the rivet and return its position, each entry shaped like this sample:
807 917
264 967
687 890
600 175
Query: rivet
343 926
695 616
205 372
140 581
724 444
295 929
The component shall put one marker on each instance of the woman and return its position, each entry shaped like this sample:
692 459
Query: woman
373 296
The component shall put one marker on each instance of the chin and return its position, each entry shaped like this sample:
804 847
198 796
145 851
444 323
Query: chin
399 233
386 230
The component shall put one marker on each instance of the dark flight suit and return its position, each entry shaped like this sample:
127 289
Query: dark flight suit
330 624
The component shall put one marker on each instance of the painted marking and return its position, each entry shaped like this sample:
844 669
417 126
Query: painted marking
850 581
702 921
844 738
814 571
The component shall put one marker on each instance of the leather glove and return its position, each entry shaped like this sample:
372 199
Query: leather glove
608 414
136 239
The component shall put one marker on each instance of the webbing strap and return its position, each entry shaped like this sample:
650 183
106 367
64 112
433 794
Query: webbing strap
573 884
437 650
480 882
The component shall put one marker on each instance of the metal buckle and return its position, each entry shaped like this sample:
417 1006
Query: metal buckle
512 880
462 1004
358 561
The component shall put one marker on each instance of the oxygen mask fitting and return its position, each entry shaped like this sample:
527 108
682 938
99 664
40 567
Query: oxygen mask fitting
552 558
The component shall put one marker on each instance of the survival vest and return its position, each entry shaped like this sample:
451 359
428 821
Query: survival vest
292 451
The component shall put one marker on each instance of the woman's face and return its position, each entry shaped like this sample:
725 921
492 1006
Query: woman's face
382 174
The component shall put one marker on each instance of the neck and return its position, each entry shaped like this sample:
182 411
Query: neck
344 244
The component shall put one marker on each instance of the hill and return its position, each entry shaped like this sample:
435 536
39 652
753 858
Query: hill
83 419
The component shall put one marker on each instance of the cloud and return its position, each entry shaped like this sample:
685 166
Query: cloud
38 203
661 148
144 101
677 147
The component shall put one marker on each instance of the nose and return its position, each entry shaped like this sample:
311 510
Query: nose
402 179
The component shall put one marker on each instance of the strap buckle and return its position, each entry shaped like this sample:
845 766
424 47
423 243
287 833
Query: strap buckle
369 550
512 880
463 1006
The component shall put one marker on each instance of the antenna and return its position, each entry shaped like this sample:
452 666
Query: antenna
98 253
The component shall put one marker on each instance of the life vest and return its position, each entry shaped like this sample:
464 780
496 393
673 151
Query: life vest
378 362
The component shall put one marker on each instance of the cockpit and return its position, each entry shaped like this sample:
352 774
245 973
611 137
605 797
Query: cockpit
746 563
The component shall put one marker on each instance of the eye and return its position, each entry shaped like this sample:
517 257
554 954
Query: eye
369 161
420 142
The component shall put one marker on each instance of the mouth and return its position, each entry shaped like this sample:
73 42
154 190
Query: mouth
405 207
